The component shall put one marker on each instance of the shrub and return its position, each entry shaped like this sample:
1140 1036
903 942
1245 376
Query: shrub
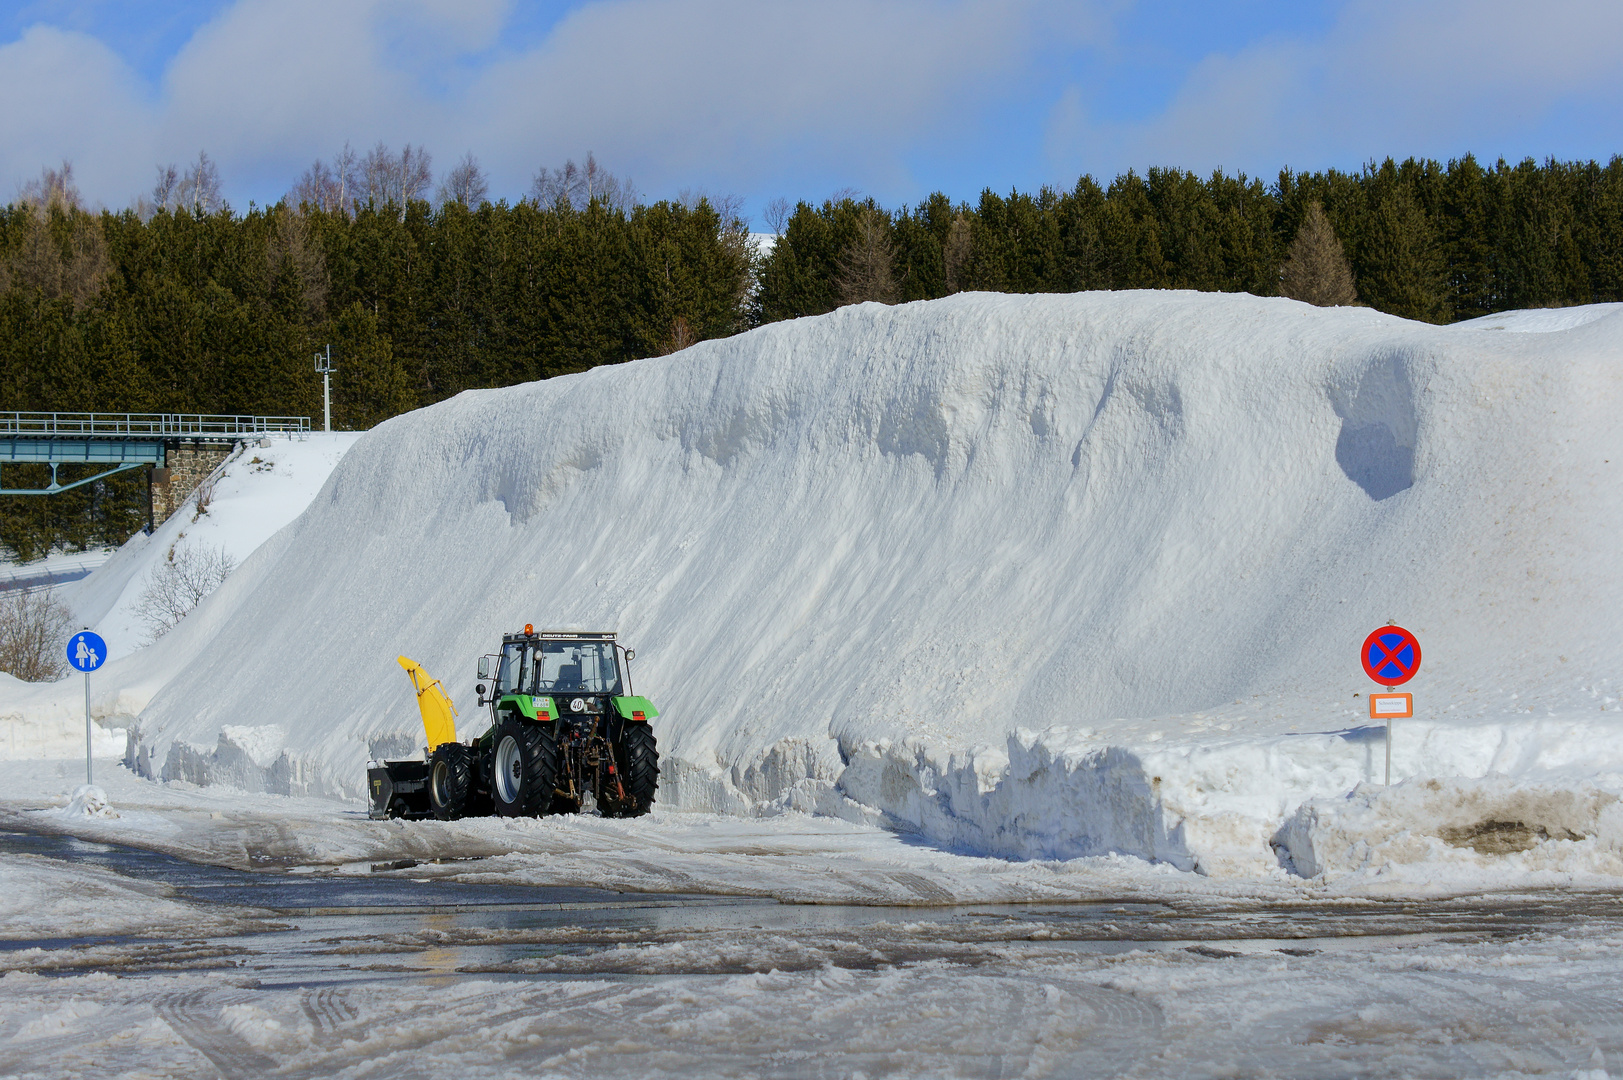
179 583
34 630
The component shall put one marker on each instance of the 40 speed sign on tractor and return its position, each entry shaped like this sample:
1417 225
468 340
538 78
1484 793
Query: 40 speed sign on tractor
563 724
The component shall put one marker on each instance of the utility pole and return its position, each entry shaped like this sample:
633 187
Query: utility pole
325 369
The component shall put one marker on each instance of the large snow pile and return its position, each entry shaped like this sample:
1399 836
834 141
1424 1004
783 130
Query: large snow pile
261 487
1032 575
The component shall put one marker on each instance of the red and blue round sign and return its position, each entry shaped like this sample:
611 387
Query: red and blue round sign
1391 656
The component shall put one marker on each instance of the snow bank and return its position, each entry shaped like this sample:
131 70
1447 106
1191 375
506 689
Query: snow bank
1032 575
88 800
259 489
263 485
1453 832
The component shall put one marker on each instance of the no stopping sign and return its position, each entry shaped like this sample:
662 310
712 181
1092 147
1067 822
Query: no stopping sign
1391 656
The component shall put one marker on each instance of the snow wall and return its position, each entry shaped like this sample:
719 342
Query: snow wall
1041 576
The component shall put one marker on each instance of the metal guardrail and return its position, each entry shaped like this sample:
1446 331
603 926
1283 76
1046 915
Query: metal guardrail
146 425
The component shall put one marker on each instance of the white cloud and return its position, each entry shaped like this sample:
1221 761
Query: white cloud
68 97
1391 77
740 89
673 92
746 94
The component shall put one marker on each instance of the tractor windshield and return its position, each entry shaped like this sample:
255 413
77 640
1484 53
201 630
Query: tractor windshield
557 667
574 667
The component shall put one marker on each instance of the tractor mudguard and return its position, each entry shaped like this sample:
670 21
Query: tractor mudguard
635 707
531 708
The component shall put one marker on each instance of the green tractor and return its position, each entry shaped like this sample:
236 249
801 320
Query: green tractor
564 723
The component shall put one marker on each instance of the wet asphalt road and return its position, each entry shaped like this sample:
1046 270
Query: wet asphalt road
331 928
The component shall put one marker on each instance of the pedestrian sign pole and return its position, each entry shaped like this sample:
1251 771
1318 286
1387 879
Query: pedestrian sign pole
1391 656
87 652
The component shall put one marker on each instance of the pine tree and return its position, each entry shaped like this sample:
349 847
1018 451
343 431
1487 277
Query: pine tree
1316 271
867 266
1400 261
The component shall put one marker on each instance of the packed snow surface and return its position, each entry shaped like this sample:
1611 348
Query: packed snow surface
836 949
52 571
1541 320
1018 992
1033 576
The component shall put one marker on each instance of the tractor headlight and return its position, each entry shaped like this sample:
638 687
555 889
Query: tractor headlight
578 705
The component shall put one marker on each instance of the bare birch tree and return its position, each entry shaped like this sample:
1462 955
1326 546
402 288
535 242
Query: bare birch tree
179 584
71 262
196 190
465 183
53 190
955 252
34 631
578 186
397 178
777 214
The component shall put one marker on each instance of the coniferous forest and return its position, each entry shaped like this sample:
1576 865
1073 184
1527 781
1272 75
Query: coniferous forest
209 310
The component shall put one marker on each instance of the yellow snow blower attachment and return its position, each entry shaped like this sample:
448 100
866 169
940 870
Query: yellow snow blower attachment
439 715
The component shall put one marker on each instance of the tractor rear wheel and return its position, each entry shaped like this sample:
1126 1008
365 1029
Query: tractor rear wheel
636 764
450 780
524 768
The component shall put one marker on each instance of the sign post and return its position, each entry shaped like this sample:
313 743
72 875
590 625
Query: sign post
1391 656
87 652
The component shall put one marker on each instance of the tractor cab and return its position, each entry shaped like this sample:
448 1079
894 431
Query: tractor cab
549 665
578 674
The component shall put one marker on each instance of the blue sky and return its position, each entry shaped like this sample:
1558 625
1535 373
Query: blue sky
893 98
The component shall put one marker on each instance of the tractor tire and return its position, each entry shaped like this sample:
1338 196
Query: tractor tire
636 760
524 767
450 780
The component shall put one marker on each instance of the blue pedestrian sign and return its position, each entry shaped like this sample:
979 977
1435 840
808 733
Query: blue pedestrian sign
86 651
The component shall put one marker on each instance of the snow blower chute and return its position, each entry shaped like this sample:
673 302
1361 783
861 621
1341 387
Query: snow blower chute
565 728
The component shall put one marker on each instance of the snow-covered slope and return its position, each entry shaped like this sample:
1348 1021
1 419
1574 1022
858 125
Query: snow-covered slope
254 493
257 491
1030 574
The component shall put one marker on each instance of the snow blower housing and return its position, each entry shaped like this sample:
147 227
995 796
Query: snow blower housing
563 724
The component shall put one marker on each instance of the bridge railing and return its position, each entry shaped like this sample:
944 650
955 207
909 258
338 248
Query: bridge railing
147 425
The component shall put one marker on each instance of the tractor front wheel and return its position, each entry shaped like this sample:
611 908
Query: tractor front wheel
450 780
524 770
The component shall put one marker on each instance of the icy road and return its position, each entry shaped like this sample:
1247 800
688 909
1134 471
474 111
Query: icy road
123 960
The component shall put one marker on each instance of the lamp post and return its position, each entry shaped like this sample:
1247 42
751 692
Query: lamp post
325 369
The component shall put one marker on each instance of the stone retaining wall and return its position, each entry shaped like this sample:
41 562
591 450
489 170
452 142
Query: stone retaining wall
188 466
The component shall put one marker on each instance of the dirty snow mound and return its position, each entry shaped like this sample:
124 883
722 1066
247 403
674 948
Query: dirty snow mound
1457 832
